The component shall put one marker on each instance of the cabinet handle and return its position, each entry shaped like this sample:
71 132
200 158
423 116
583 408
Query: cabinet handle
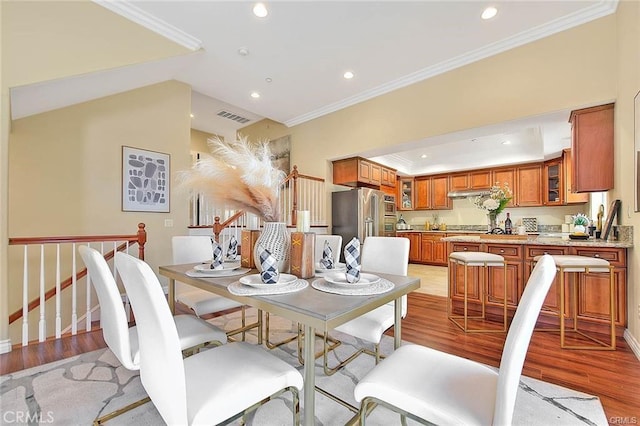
501 250
596 255
465 249
546 252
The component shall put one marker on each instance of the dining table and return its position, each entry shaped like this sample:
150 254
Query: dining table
317 311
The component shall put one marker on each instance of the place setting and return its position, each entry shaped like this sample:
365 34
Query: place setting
220 266
327 265
348 279
269 281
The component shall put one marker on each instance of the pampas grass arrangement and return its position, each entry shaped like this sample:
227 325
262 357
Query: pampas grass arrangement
239 174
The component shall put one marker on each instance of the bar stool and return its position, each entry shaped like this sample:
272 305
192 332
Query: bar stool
579 265
478 260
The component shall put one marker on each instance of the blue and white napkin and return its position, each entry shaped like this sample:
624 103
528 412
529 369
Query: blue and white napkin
270 273
232 249
216 263
352 259
327 256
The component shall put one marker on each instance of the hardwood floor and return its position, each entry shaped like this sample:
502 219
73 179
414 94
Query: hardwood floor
611 375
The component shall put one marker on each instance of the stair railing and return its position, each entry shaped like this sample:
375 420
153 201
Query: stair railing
67 244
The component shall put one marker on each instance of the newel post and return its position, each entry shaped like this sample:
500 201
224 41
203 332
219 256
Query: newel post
142 240
294 196
217 228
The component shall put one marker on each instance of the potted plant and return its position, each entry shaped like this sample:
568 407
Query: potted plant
580 223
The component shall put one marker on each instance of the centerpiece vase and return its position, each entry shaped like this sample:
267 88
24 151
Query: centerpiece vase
275 239
492 217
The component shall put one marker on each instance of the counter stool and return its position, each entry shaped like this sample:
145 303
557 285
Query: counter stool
483 261
579 265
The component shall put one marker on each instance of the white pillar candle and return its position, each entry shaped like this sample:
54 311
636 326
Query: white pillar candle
303 223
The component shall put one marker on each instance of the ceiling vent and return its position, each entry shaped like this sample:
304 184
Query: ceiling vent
235 117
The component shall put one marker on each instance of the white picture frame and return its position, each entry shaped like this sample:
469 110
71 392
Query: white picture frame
146 177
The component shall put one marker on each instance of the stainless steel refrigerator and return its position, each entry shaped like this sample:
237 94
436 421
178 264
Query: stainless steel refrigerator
360 213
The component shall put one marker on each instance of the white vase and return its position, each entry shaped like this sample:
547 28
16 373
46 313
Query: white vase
275 239
579 229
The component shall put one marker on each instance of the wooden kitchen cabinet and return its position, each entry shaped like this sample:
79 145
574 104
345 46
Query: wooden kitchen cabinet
553 183
571 197
477 179
423 193
592 148
507 176
406 194
529 185
431 193
415 245
495 286
359 172
434 251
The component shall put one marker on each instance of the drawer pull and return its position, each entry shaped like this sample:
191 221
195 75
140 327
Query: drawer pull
596 255
465 249
501 250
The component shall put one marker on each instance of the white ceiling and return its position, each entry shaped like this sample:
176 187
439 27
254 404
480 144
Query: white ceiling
304 47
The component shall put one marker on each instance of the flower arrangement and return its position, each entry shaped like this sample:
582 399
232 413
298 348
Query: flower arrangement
496 200
239 174
580 219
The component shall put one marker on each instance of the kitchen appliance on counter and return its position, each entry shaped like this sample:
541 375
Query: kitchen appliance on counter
360 213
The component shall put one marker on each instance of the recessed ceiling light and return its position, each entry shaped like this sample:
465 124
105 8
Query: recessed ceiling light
506 143
423 156
191 115
489 12
348 75
260 10
255 95
268 80
243 51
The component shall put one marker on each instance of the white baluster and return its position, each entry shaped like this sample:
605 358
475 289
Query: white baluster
74 308
58 316
42 324
87 315
25 297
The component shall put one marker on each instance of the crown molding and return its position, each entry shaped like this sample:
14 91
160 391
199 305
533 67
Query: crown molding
139 16
598 10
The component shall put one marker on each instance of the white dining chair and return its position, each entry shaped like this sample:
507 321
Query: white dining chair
386 255
199 248
121 339
335 242
434 387
211 387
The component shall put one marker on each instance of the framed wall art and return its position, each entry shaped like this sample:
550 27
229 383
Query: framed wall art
145 180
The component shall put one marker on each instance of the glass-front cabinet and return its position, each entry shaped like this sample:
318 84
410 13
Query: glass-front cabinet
405 193
554 185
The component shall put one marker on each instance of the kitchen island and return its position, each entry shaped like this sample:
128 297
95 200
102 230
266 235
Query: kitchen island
591 290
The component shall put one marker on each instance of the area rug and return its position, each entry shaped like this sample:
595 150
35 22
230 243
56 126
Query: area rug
76 390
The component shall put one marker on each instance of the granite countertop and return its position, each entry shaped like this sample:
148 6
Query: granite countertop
539 240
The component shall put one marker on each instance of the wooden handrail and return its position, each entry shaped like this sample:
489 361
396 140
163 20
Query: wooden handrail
139 238
218 227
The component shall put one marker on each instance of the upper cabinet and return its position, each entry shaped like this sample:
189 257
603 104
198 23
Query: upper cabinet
592 148
361 172
431 193
405 200
571 197
553 183
476 179
529 185
506 175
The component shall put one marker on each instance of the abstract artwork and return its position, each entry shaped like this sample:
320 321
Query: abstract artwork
145 180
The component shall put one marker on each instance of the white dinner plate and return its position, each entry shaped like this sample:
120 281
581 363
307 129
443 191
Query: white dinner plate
255 281
206 267
340 279
336 267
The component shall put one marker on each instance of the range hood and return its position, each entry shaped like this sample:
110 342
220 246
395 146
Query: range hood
467 193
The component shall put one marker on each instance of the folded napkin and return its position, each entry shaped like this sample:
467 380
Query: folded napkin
232 250
269 274
352 259
327 256
216 263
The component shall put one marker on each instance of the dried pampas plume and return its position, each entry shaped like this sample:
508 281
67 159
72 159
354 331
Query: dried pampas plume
238 174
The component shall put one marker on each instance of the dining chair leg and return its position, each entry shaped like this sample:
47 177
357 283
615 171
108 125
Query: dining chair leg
272 345
119 411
